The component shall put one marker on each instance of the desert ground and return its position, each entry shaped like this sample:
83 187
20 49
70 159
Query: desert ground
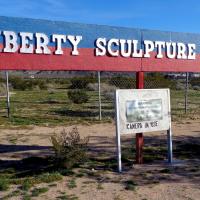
98 180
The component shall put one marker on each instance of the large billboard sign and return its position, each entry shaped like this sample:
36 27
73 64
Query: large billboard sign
30 44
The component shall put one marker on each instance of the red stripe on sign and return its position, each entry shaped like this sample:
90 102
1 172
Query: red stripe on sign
86 60
170 65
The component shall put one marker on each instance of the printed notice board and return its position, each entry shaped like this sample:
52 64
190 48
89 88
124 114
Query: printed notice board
143 110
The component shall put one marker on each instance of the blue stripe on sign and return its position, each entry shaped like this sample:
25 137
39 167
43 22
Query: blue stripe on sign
91 32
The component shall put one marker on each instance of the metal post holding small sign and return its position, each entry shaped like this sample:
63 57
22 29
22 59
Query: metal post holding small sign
143 110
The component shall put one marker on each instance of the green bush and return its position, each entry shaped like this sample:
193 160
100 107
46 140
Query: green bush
81 83
27 84
41 83
69 148
78 96
20 83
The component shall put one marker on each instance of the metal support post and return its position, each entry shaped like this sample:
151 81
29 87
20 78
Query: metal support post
99 89
7 95
186 92
118 139
169 145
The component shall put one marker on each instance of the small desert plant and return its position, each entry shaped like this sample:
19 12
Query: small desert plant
78 96
72 184
37 191
4 184
69 148
130 185
26 185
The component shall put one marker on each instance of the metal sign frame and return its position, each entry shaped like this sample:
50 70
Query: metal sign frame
118 134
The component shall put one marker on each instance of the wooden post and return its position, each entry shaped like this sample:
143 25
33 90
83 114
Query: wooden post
139 136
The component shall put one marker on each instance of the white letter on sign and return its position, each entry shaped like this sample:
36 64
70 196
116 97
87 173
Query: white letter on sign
136 53
125 47
11 45
41 44
59 39
26 47
100 50
149 46
74 40
159 45
191 53
181 50
171 49
110 43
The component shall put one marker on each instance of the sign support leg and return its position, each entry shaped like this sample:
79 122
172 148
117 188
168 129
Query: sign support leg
119 159
118 139
139 148
169 145
139 136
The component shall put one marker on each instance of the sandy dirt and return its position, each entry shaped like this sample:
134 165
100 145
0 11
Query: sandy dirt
16 144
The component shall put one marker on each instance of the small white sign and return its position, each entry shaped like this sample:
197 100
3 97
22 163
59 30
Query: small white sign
143 110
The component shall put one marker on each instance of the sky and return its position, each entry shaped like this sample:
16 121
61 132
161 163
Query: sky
169 15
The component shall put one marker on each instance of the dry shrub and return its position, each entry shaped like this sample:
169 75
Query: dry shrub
104 87
69 148
81 82
2 89
107 90
78 96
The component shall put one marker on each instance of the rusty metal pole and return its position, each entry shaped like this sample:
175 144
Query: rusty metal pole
139 136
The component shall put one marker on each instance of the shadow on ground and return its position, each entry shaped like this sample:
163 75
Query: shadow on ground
102 159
